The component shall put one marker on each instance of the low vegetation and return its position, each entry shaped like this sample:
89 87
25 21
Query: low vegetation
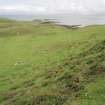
42 63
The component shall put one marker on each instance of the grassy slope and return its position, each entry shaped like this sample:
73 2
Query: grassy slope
46 64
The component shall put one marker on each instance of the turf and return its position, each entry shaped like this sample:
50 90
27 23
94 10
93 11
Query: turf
48 64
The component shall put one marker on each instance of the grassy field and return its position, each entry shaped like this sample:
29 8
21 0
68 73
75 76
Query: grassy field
48 64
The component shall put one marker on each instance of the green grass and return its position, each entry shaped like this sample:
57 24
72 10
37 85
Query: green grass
48 64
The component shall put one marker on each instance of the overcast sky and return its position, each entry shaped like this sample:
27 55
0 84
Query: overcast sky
52 6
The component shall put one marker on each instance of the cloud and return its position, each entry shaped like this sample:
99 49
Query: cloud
52 6
22 9
14 8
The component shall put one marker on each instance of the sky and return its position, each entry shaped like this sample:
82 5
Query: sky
52 6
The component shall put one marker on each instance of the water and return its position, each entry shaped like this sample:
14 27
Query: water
63 19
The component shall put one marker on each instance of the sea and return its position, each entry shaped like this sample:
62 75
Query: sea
64 19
